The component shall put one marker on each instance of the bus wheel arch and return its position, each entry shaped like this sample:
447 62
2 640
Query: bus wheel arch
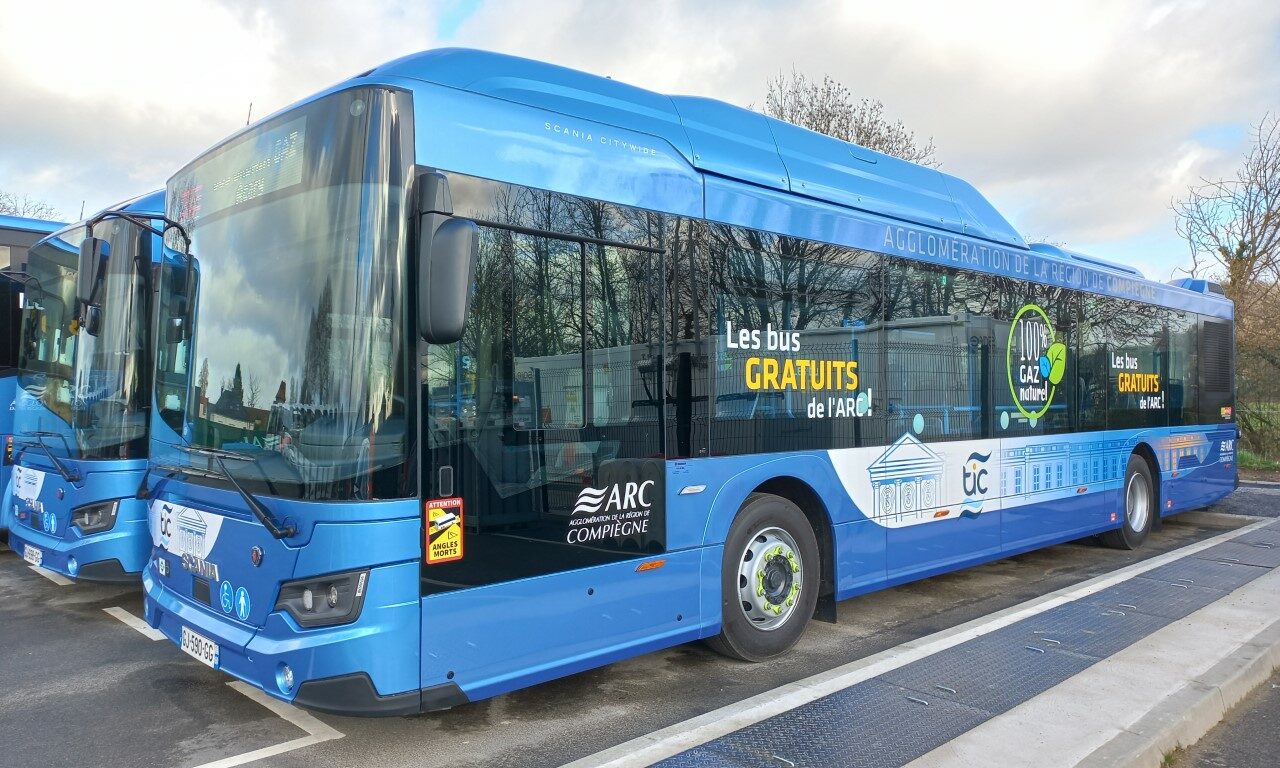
1139 501
801 494
1153 464
770 576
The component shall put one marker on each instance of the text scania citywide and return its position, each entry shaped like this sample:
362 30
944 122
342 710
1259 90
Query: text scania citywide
601 138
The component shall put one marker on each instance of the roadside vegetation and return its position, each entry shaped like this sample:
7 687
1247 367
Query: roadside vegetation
1232 227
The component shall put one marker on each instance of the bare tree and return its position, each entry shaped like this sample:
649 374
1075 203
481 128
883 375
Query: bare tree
202 382
254 387
13 205
829 107
1232 227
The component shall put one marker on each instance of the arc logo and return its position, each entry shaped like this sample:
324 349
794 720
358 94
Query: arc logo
975 480
611 512
614 498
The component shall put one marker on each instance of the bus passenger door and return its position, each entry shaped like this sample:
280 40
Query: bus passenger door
544 479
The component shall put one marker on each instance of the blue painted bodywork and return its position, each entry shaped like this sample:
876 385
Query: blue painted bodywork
8 383
47 524
542 126
8 403
26 224
331 538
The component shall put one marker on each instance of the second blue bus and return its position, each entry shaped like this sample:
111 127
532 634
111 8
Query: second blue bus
84 397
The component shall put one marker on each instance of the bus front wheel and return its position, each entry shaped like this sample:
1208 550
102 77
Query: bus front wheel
769 579
1140 507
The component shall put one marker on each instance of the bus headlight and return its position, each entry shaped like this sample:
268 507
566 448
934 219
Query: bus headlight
323 601
95 518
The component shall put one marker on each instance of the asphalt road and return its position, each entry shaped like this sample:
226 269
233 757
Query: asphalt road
1248 737
82 688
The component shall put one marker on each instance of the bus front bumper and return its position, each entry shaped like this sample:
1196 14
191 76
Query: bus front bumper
113 556
339 669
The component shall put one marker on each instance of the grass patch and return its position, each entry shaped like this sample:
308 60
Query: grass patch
1250 460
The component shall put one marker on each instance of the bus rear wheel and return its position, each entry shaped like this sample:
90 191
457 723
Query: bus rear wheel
1140 507
769 579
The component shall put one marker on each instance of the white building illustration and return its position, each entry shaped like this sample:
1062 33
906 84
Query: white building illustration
1179 452
191 531
906 480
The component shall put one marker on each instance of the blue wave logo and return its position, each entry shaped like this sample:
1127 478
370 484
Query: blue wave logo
974 476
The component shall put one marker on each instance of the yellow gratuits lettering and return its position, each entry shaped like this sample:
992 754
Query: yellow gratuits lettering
772 374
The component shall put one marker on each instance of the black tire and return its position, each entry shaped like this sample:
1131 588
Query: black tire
1133 531
740 636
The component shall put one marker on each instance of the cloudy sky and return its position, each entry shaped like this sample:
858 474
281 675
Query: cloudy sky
1081 121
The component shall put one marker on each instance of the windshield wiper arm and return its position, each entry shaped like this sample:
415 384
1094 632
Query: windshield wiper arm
256 507
70 475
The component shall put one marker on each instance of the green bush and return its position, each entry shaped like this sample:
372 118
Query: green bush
1249 460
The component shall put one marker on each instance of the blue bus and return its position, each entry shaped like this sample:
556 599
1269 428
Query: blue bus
507 371
17 235
84 396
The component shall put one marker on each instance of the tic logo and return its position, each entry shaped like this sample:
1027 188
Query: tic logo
1037 361
975 481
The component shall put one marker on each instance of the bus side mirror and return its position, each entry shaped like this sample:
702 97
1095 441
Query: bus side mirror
446 268
94 253
175 330
91 323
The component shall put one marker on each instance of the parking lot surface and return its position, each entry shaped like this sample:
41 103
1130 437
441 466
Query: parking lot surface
82 687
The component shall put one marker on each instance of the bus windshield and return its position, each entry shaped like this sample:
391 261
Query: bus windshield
91 390
297 231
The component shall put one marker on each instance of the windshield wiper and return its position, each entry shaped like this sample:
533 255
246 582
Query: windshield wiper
70 475
256 507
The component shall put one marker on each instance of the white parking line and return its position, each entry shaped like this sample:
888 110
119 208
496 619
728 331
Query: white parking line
134 622
670 741
317 731
56 578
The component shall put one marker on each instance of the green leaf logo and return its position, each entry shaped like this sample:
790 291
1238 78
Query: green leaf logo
1057 355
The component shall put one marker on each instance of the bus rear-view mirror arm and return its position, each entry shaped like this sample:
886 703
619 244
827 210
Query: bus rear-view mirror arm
448 249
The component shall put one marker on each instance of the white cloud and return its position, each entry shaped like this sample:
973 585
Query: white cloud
1079 120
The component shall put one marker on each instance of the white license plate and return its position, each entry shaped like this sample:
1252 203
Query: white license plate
200 647
32 554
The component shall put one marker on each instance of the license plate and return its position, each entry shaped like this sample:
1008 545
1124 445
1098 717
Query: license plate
32 554
200 647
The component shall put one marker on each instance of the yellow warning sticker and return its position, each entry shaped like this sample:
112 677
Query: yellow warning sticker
444 530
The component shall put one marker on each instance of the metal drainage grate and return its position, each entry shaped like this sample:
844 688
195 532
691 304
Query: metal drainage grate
992 673
1087 629
1213 574
1262 554
869 725
1158 597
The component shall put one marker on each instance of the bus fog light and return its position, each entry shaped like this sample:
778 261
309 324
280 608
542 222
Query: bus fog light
73 566
324 601
284 678
95 518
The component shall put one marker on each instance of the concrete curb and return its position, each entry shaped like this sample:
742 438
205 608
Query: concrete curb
1185 717
1213 519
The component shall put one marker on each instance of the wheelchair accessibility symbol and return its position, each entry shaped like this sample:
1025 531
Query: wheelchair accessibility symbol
226 597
